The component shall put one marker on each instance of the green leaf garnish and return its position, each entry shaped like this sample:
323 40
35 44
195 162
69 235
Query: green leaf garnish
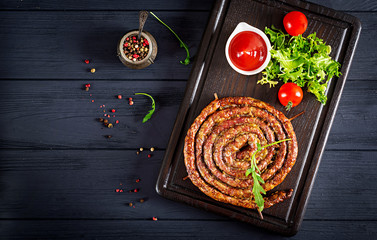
289 106
150 113
304 61
257 179
248 171
181 43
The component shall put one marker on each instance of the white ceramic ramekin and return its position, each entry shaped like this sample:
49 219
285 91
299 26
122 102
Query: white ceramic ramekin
241 27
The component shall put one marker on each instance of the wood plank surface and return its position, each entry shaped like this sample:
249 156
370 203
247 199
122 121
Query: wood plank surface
86 5
59 114
55 44
173 229
73 36
69 184
90 5
59 174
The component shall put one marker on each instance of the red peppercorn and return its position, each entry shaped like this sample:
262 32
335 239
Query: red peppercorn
113 110
137 180
149 156
87 85
146 41
121 190
117 190
144 44
131 103
119 96
154 219
127 38
117 121
130 99
136 190
133 37
86 61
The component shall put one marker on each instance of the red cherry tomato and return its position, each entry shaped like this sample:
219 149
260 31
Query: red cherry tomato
290 95
295 23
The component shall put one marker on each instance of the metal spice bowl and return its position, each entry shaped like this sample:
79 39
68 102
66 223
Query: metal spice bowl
148 60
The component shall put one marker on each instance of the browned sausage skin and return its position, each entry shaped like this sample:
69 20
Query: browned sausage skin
221 139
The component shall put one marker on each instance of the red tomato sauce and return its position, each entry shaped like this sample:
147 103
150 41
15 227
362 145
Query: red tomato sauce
247 51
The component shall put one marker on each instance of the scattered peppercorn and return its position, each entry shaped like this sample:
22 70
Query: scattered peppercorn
152 149
110 125
93 70
137 153
137 180
141 149
154 219
86 89
141 200
100 119
119 96
108 136
130 204
106 121
131 103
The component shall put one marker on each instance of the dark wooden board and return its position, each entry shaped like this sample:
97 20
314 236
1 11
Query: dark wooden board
173 229
81 184
73 36
60 115
212 74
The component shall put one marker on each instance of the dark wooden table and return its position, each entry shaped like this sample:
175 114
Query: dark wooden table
62 178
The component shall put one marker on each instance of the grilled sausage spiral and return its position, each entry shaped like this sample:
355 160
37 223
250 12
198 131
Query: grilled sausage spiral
221 140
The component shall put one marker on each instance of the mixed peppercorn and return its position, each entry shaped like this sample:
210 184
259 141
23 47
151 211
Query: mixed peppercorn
134 49
105 120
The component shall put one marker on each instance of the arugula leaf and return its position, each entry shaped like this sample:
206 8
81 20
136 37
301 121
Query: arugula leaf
304 61
181 43
248 171
257 179
150 113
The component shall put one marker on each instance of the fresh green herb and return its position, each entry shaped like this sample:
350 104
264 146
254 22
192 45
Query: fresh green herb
181 43
304 61
150 113
257 179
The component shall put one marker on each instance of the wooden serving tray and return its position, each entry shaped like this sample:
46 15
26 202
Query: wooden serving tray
211 74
